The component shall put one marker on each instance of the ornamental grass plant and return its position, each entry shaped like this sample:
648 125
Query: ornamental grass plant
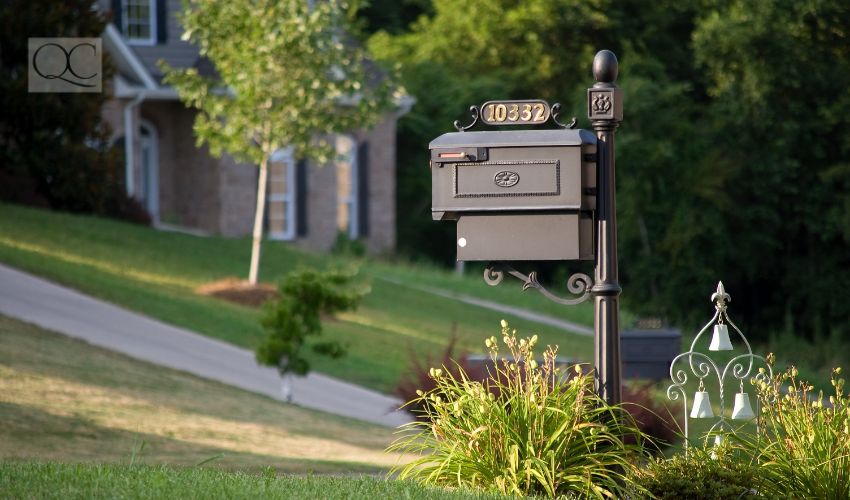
529 429
803 444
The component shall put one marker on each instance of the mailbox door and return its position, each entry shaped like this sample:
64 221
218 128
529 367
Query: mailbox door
524 236
533 170
513 178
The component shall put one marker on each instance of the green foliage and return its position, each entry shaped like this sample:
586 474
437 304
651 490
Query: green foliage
465 53
99 481
294 316
344 245
540 435
285 76
732 159
716 474
392 16
54 148
804 443
157 273
768 67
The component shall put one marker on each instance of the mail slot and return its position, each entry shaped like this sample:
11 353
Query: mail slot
517 195
521 170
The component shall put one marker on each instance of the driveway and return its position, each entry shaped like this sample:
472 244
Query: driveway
63 310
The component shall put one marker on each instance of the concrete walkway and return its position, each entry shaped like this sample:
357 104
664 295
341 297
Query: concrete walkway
63 310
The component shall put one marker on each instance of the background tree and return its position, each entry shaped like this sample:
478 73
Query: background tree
466 52
777 74
54 147
732 159
286 77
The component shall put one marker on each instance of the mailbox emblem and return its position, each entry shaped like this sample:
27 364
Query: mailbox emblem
506 178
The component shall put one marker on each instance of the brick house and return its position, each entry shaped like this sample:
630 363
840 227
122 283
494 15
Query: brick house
182 185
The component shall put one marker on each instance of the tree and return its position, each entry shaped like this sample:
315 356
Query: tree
54 147
469 51
777 74
732 159
286 77
295 315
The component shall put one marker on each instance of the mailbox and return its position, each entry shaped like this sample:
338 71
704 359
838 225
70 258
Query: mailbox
517 195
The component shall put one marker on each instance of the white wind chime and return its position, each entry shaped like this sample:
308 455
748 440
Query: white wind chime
737 370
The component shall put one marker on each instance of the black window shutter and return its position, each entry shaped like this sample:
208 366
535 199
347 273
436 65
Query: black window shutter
116 14
363 189
301 198
161 21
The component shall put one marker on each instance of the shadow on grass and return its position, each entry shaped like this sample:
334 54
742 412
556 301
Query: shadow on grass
30 433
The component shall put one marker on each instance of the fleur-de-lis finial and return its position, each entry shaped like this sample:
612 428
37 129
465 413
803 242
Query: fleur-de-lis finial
720 297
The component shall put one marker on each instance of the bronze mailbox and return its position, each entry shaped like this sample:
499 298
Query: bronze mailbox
517 195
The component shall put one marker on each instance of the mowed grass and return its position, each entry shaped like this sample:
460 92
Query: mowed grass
61 481
156 273
63 400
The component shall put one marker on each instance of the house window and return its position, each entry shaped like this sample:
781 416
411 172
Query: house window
139 21
347 186
280 205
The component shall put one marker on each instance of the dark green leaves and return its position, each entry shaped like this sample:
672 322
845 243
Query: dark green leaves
295 316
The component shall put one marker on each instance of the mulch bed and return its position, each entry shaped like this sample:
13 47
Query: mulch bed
239 291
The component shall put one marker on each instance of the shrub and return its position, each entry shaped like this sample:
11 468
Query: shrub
418 379
295 315
652 417
344 245
803 444
718 474
542 434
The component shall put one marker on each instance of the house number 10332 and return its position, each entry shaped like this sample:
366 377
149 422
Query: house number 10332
532 112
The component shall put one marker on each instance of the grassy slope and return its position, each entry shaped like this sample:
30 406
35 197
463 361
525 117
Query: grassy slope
156 273
34 480
64 400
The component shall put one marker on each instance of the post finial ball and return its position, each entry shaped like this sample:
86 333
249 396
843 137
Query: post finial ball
605 67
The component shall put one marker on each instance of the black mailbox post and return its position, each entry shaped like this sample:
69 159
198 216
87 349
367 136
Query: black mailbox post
527 195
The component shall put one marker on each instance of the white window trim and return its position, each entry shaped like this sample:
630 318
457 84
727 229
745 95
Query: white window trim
354 205
152 197
290 220
154 36
353 200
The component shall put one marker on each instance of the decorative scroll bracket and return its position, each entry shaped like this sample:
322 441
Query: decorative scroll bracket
556 111
475 113
579 283
553 113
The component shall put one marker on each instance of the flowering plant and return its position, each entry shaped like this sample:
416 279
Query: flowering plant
528 429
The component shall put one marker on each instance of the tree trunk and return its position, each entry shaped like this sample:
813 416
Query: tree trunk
258 221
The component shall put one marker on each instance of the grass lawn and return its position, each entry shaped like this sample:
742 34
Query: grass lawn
52 480
157 272
64 400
